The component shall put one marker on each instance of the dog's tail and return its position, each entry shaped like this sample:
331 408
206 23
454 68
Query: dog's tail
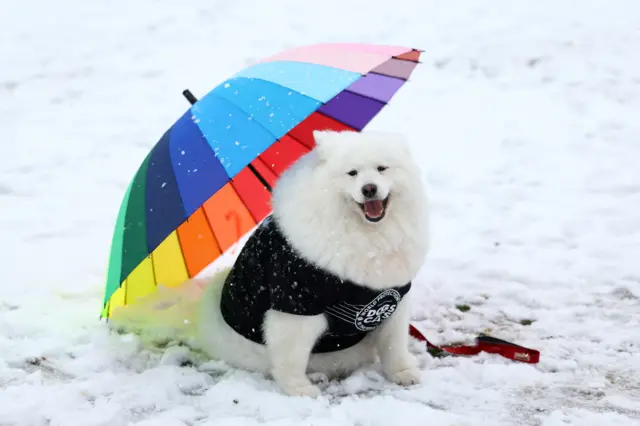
169 314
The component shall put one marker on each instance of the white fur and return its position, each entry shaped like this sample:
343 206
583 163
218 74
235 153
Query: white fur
315 203
221 342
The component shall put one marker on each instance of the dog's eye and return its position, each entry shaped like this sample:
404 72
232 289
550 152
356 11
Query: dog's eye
353 173
382 168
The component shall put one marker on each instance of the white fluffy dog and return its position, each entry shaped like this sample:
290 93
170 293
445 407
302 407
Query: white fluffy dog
323 284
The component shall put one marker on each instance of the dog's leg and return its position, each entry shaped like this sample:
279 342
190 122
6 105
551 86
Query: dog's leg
392 342
290 339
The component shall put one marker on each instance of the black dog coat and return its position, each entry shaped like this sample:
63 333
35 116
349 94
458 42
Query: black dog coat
270 274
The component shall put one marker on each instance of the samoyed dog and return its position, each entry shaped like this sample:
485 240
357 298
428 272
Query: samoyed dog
322 285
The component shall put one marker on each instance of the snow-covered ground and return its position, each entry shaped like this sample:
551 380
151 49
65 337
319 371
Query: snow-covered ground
525 115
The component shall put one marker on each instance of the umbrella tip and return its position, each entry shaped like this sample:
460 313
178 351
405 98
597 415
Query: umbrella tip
187 94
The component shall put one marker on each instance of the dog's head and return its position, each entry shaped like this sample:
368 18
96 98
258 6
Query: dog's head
373 172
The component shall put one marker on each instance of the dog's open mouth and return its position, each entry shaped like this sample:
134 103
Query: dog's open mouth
374 210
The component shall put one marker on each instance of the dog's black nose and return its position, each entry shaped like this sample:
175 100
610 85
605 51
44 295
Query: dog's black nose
369 190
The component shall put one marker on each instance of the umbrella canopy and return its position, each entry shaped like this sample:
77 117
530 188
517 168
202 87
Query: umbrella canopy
207 181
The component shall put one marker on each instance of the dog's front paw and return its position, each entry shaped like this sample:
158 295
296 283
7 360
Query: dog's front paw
309 390
402 370
318 377
408 377
295 385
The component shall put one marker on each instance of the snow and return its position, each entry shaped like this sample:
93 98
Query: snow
523 114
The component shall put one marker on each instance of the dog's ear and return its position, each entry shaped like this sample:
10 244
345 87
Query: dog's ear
324 139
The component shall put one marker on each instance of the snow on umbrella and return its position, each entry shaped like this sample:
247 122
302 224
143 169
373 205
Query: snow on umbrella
207 181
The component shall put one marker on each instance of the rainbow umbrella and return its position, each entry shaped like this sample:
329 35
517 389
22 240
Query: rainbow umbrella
207 181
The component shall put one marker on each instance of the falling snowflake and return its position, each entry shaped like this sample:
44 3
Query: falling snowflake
227 85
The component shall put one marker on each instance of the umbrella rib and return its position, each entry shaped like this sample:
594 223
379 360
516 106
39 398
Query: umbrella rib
362 96
406 80
259 176
299 141
264 163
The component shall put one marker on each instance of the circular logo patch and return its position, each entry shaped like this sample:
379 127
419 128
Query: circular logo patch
378 310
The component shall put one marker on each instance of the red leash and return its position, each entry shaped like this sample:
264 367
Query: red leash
483 344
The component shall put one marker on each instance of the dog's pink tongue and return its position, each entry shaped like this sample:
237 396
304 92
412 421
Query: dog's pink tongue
373 208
